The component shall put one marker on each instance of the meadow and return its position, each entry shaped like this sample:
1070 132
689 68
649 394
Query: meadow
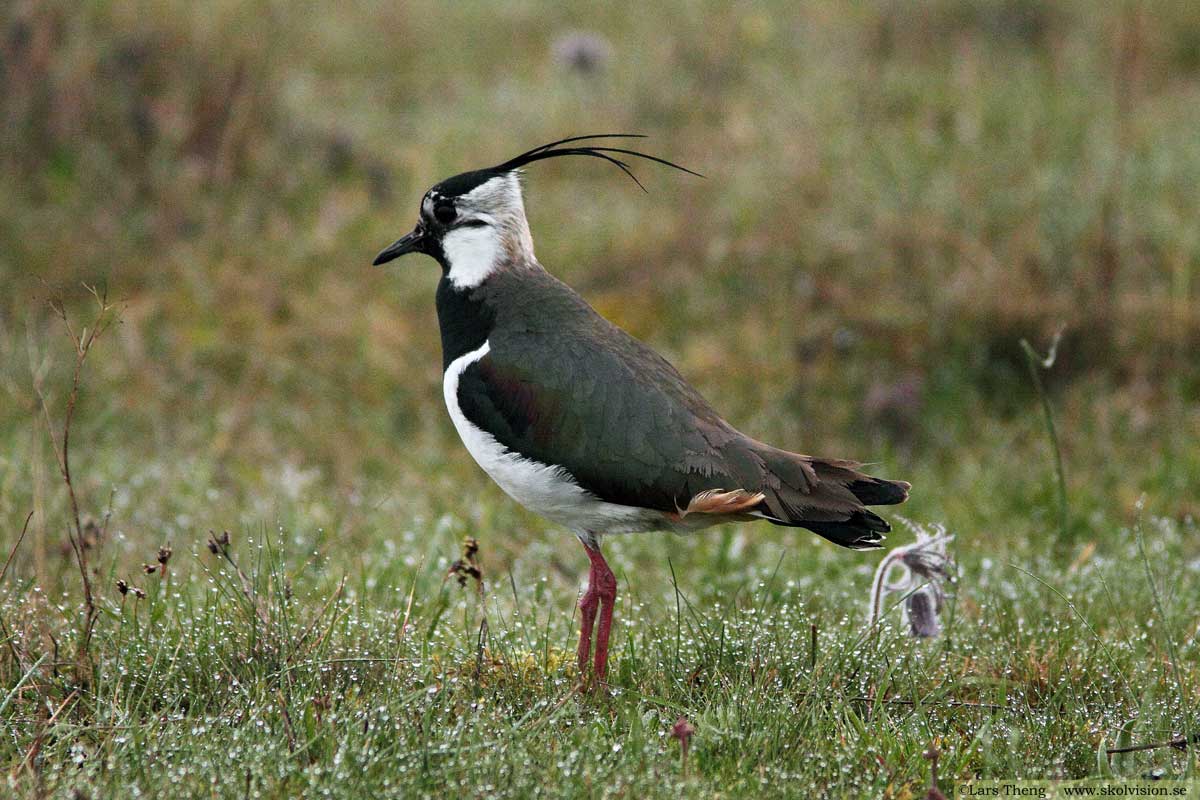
245 586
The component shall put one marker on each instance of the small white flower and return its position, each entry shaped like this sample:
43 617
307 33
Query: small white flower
917 573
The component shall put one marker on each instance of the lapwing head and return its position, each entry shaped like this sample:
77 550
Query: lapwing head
474 223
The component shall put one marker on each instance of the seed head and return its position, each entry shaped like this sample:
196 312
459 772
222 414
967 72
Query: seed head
920 570
217 544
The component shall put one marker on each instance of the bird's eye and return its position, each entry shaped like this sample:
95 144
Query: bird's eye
444 214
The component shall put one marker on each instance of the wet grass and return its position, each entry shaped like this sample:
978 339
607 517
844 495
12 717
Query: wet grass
894 201
344 672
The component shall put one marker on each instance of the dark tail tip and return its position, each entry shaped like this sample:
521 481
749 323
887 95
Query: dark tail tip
878 492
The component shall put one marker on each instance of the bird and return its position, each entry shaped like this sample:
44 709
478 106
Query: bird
585 425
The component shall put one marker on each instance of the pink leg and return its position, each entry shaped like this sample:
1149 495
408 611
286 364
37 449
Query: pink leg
601 594
587 609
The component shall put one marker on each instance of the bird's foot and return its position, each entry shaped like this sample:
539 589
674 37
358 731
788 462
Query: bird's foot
600 596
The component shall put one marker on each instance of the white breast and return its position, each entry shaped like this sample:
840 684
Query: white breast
544 489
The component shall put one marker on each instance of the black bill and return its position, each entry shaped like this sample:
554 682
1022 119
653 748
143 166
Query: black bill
410 243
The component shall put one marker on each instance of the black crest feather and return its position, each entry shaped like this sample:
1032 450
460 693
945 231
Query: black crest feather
609 154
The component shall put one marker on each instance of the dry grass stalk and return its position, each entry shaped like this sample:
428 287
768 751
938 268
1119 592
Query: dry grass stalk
81 534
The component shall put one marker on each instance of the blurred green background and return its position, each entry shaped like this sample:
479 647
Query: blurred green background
896 195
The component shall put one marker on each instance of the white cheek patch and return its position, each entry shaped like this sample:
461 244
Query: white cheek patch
472 253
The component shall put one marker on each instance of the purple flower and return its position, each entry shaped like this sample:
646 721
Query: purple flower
921 609
582 52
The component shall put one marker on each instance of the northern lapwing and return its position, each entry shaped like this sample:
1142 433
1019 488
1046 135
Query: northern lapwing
582 423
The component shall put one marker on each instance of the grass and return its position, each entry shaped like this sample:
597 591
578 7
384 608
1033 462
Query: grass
895 199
